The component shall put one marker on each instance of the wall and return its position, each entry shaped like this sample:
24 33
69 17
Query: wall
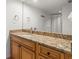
32 18
66 23
14 7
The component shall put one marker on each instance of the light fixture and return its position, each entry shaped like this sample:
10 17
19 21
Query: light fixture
60 11
35 1
70 16
23 0
70 1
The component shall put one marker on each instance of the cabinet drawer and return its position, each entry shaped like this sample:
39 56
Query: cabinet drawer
50 52
24 42
44 57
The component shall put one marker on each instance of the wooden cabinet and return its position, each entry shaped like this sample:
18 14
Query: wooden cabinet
26 49
15 50
68 56
27 54
51 53
24 42
21 50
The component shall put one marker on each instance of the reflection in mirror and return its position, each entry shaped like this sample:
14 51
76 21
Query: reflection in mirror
50 17
56 22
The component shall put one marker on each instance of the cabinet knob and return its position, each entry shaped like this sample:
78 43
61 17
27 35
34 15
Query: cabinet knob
48 53
19 45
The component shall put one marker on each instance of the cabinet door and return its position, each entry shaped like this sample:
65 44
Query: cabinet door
67 56
27 54
15 50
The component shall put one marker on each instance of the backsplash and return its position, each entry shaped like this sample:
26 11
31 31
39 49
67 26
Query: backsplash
57 35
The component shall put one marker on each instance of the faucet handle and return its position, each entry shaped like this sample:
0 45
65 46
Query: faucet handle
31 28
35 29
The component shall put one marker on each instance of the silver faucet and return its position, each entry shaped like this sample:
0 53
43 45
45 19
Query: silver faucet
31 31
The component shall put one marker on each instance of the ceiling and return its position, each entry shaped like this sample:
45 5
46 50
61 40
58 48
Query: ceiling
51 6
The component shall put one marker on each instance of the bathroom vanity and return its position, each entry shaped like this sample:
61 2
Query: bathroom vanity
39 29
32 46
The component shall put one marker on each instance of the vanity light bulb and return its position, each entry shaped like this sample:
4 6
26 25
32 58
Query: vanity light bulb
60 11
23 0
70 16
35 0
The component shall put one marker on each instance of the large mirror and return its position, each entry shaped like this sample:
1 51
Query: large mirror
47 15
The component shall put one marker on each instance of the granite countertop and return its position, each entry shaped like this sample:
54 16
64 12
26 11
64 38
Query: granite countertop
58 43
